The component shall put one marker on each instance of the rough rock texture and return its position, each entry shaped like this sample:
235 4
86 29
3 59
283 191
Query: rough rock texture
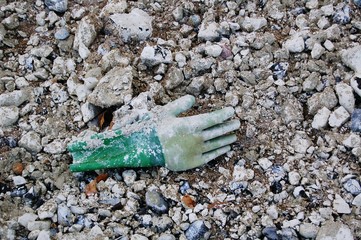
290 69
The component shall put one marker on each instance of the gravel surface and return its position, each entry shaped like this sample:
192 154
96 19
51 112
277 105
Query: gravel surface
291 70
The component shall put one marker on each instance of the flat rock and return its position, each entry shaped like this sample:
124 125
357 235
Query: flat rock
253 24
340 205
26 218
295 44
15 98
8 116
113 89
89 111
338 117
57 5
352 58
137 25
152 56
345 96
327 99
320 120
308 230
31 142
156 202
335 231
209 31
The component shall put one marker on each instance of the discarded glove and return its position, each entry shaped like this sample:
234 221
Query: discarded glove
160 138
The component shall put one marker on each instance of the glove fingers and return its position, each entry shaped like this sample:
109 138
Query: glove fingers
207 120
179 105
221 129
215 153
219 142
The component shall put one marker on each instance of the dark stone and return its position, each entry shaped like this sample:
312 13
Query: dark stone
279 70
342 16
271 233
357 3
19 191
356 120
196 230
156 202
276 187
59 6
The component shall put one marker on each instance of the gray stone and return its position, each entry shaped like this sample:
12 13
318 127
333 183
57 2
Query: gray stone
166 236
137 25
340 205
44 235
26 218
85 34
345 96
64 215
38 225
357 3
317 51
55 147
2 32
308 230
253 24
8 116
294 178
89 111
11 22
311 82
213 50
47 210
156 201
129 177
338 117
113 89
62 33
57 5
196 86
152 56
197 230
19 180
320 120
42 51
174 78
327 99
352 186
292 111
301 142
335 231
352 58
201 64
209 31
357 201
356 120
15 98
295 45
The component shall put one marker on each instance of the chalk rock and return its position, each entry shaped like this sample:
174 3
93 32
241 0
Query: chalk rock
15 98
317 51
31 142
356 83
253 24
89 111
174 78
295 45
26 218
57 5
321 118
352 141
327 99
85 35
209 31
340 205
8 116
137 25
308 230
352 58
335 231
213 50
114 6
113 89
345 96
152 56
301 142
41 51
338 117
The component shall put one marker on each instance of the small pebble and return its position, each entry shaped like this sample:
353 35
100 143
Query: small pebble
61 34
352 186
156 201
196 231
270 233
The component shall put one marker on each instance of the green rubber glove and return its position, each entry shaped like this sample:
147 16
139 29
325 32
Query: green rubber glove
159 139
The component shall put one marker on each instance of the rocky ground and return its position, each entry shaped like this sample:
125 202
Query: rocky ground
291 70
